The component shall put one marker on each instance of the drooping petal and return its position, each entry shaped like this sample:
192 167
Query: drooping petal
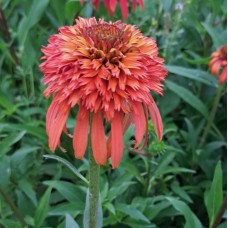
117 139
96 3
56 125
223 75
127 122
98 139
135 2
107 6
124 9
146 134
215 67
112 4
51 114
80 137
156 119
139 121
141 3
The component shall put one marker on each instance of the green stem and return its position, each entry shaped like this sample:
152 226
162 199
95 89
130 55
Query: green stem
147 184
12 206
211 116
220 214
94 169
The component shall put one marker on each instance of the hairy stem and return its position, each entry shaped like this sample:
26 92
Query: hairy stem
94 169
211 116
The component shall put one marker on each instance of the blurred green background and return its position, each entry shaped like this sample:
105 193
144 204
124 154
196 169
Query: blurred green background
178 185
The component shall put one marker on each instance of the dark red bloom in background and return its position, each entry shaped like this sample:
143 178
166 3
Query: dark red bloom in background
218 64
110 5
108 70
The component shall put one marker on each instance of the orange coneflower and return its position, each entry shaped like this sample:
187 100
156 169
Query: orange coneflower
218 64
108 70
110 5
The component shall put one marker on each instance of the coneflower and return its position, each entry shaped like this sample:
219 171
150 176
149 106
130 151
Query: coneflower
108 70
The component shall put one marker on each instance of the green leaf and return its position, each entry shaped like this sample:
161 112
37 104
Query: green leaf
72 8
188 97
110 207
190 218
174 170
69 165
137 224
195 74
132 212
35 13
155 209
5 170
164 162
181 192
68 190
88 10
214 197
223 225
86 212
6 143
42 209
70 223
117 190
63 208
165 106
218 40
19 155
58 6
10 223
4 102
26 187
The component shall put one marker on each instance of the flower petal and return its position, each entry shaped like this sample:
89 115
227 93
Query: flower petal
127 122
56 119
112 4
139 121
124 9
223 75
156 119
98 139
141 3
116 139
135 2
215 67
80 137
51 114
107 6
96 3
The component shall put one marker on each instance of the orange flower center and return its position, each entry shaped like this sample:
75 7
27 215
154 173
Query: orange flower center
103 32
104 35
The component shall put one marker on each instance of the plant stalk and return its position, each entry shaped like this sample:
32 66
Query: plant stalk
94 169
6 35
12 206
211 116
220 214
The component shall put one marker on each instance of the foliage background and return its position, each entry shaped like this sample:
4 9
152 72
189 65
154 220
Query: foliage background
178 185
